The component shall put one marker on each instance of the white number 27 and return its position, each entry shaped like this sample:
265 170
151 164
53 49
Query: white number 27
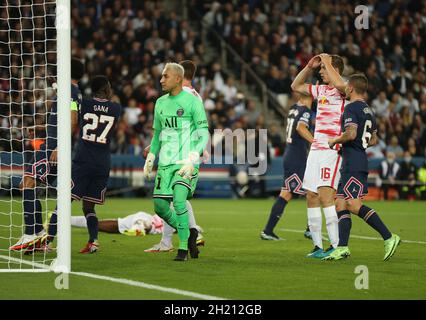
93 125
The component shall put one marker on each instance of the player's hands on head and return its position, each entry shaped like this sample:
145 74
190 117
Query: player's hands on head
326 58
149 164
315 62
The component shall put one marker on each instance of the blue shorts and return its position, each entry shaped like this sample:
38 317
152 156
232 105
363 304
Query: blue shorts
87 184
40 168
352 185
293 180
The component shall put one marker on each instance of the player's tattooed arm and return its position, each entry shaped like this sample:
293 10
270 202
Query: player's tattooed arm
299 83
335 79
303 131
348 135
74 121
374 139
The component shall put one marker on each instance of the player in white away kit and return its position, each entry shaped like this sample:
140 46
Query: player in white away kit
166 241
137 224
323 165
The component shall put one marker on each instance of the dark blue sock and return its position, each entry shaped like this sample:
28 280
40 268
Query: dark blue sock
345 225
275 215
29 210
92 226
372 218
53 225
38 215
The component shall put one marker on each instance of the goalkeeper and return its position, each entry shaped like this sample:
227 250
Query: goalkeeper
179 138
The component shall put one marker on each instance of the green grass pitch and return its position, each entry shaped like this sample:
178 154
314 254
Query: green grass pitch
236 264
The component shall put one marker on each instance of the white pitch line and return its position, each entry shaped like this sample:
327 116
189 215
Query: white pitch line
45 268
149 286
358 237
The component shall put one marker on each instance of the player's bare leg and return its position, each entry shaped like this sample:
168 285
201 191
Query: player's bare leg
275 215
326 196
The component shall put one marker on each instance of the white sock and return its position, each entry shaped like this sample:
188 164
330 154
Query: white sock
166 238
315 225
332 223
79 221
191 218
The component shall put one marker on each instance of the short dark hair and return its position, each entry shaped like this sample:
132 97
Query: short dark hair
99 84
189 68
337 62
77 69
360 82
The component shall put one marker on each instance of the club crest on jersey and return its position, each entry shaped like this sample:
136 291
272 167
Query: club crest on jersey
180 112
323 100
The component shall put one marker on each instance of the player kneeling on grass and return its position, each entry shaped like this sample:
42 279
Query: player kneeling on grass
359 126
137 224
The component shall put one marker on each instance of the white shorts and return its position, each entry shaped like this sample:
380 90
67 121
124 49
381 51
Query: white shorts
141 220
322 170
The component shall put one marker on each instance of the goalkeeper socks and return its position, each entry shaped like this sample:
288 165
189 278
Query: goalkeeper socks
372 218
162 209
92 226
345 225
179 203
332 225
29 210
315 225
275 215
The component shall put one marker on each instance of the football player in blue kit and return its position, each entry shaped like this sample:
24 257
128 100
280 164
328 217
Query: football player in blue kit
359 132
294 161
98 118
43 170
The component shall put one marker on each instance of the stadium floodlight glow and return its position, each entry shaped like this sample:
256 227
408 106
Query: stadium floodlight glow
35 39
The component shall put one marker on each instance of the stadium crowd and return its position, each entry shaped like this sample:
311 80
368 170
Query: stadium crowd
129 41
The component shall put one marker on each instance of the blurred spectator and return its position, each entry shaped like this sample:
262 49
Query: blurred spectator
408 174
380 105
394 147
388 174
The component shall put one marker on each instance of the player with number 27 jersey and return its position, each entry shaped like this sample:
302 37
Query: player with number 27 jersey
354 171
92 161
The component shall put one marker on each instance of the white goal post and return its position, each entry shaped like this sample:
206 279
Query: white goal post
24 76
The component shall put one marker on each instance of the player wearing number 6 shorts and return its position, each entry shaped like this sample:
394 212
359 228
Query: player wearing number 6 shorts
359 128
323 164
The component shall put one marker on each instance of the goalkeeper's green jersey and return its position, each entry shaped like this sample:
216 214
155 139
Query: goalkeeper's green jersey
182 125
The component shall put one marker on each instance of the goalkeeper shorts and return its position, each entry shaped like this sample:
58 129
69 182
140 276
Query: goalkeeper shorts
167 178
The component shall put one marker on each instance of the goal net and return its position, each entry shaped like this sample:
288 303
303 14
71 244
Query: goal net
28 134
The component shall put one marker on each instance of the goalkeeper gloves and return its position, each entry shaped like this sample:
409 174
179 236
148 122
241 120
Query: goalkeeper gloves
149 164
188 165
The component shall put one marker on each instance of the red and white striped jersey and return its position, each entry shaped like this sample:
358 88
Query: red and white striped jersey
330 106
192 91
